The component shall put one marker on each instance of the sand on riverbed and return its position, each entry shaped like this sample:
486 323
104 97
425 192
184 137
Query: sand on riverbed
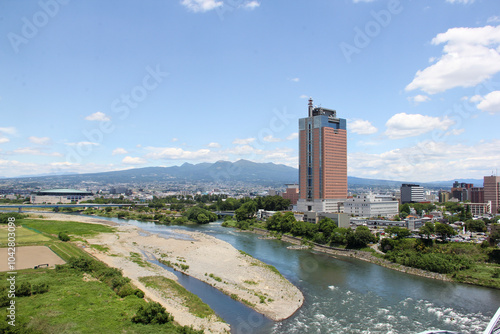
211 260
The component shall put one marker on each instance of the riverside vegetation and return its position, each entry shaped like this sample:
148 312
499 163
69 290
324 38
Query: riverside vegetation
82 296
470 263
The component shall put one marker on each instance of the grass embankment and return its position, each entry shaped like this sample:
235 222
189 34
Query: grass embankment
83 296
170 289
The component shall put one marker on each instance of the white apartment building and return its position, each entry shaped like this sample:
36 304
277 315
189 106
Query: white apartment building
371 206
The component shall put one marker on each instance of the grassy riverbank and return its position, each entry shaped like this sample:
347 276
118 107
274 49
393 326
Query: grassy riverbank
82 296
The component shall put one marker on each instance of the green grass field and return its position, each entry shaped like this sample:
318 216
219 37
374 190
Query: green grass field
73 305
53 227
23 236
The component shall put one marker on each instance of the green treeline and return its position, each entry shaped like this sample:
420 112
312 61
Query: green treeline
326 232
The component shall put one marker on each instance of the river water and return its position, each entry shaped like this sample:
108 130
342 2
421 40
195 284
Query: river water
345 295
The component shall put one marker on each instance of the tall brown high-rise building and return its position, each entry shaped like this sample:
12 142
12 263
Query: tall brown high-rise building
491 190
322 160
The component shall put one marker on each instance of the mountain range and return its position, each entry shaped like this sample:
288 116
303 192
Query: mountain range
267 174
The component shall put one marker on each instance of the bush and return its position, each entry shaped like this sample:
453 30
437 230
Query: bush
63 236
152 313
80 263
24 289
139 293
118 282
39 288
125 290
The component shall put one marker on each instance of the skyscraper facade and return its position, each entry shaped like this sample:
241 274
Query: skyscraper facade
492 192
322 160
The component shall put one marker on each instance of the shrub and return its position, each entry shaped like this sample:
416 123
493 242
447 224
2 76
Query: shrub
63 236
139 293
39 288
24 289
118 282
125 290
81 263
152 313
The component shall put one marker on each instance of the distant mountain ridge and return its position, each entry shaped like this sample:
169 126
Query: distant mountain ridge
223 171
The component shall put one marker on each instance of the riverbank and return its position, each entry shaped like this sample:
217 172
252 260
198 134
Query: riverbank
201 256
361 255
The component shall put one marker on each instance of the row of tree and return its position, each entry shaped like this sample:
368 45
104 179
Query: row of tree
326 232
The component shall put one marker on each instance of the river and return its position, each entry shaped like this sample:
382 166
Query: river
345 295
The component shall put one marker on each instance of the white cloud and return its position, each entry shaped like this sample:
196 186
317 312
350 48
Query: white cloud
490 102
12 168
470 56
128 160
35 151
404 125
176 153
9 130
304 96
455 132
358 1
361 127
174 140
4 140
292 136
83 143
271 139
244 150
493 19
245 141
419 98
251 5
98 116
213 145
39 140
465 2
428 161
476 98
119 150
201 5
295 79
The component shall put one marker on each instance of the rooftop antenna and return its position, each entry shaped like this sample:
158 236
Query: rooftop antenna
310 106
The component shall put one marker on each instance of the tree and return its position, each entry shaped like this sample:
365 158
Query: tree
475 225
404 210
360 238
299 229
399 232
339 236
202 218
246 211
428 229
327 226
444 230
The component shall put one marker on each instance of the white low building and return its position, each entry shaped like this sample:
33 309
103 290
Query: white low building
371 206
61 196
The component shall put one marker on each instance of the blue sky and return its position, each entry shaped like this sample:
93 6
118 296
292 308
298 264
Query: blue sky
89 86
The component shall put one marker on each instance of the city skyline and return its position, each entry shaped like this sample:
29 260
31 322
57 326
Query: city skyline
91 87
